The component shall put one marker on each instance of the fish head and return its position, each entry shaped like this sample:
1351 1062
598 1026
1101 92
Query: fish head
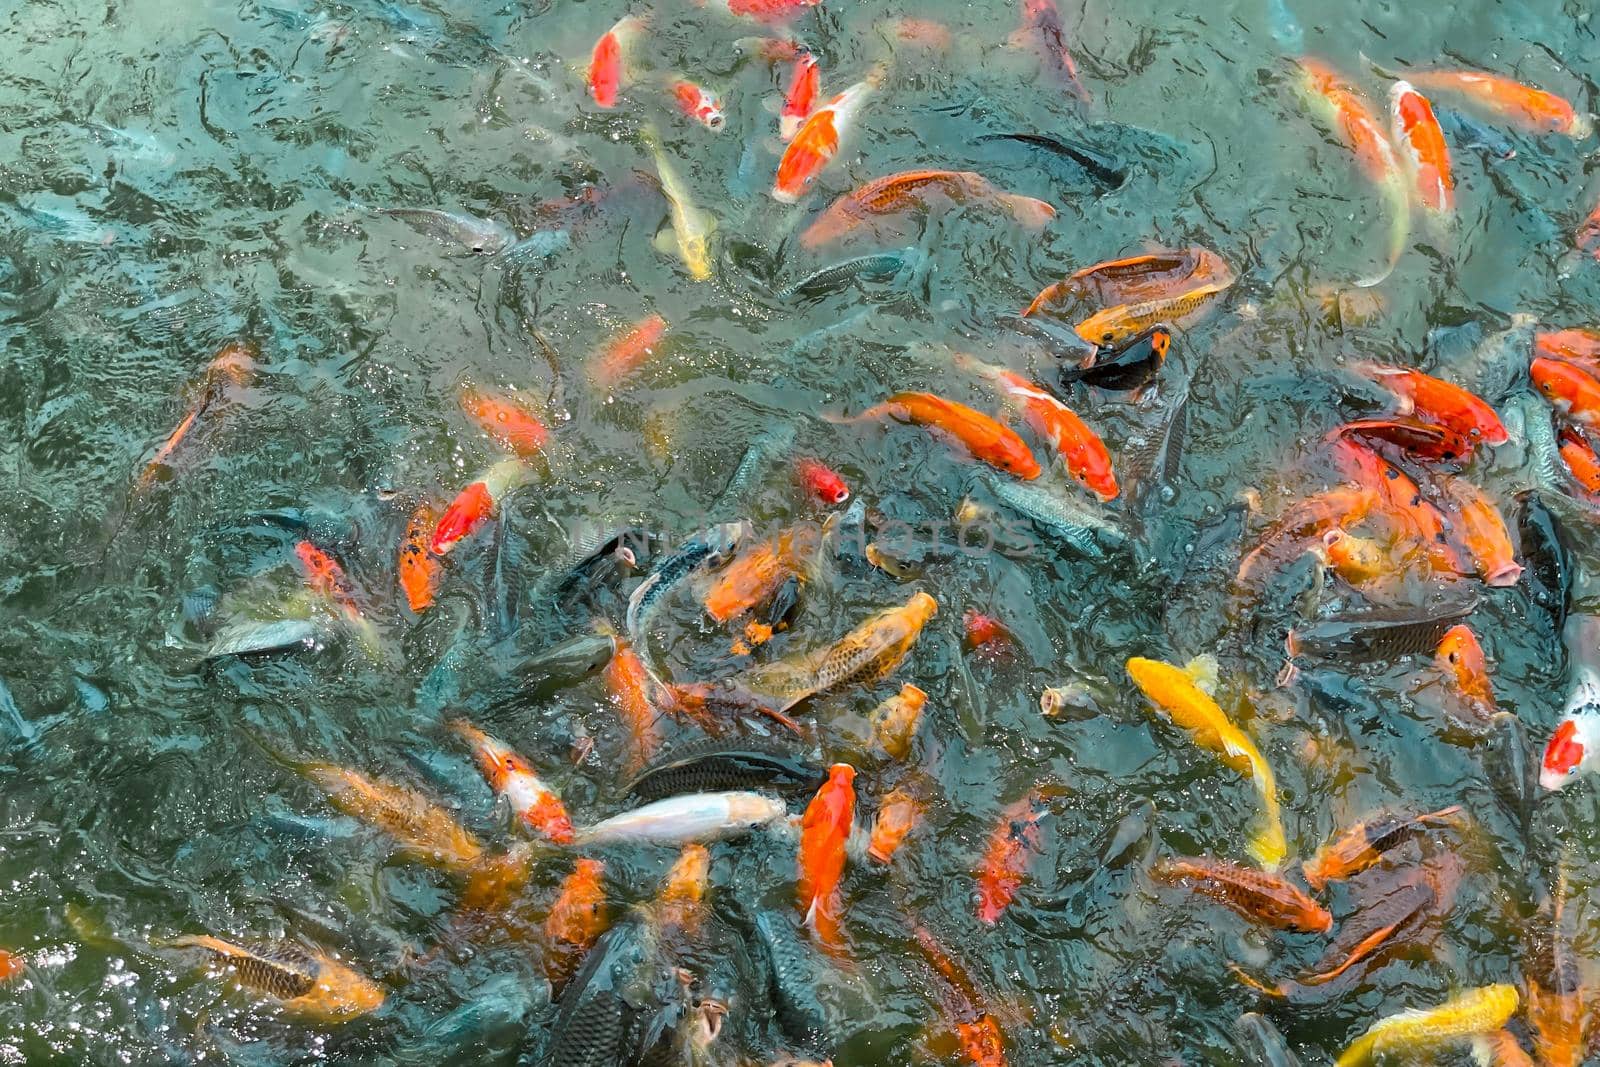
724 539
1571 749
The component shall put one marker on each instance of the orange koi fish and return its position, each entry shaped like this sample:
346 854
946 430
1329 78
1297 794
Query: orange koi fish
509 775
11 966
895 193
1422 144
1478 529
928 33
1559 1012
1423 439
426 832
307 984
894 722
1523 105
1347 112
1257 895
1440 401
980 630
1397 496
1365 843
1310 518
1581 461
769 11
1460 657
1575 346
898 814
1568 388
984 438
1588 236
1085 454
824 830
420 571
1043 21
805 82
817 141
476 504
1012 846
1135 279
629 683
760 569
627 354
577 917
608 66
326 578
822 481
699 104
503 417
680 906
230 368
866 655
957 995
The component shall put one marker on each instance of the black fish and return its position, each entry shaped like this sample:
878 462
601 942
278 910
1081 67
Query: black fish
1548 555
794 989
595 1023
716 770
1062 342
1106 170
616 557
1378 634
1512 771
1133 365
559 667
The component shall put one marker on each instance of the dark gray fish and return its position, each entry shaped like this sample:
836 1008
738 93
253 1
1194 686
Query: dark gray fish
257 637
709 548
616 557
1465 132
1548 556
330 528
1380 634
597 1020
1153 469
792 966
199 610
504 678
311 829
766 447
779 612
1513 770
561 666
1107 170
829 280
1059 340
502 584
15 731
1130 838
719 769
475 236
1499 366
1085 530
487 1026
1263 1044
1531 423
1131 366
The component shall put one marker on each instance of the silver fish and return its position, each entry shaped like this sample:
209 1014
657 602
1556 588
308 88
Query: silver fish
693 817
709 548
256 637
1082 528
479 237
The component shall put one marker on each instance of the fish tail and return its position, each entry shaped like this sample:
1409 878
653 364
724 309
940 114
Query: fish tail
1268 847
1399 231
1360 1052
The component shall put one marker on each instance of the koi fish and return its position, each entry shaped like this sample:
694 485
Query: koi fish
1115 325
505 419
11 966
760 570
1043 20
1522 105
608 66
680 906
1575 746
699 104
1558 1012
1347 112
817 141
805 82
1132 279
1258 895
230 368
306 983
1568 388
957 995
425 831
1588 236
1365 843
1501 1049
710 548
1309 518
894 722
1477 1011
325 578
821 481
1575 346
1478 528
1085 454
625 355
577 917
693 817
1421 142
630 684
980 630
984 438
1426 440
898 814
824 830
1396 496
510 776
768 11
867 654
1129 367
690 233
1460 657
1439 401
1013 844
476 504
420 571
895 193
1579 456
1178 694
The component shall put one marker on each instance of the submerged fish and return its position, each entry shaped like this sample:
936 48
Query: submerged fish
1365 843
761 451
1042 20
1421 142
425 831
895 193
1177 693
1013 844
828 280
609 71
1107 170
964 1008
1379 633
1530 108
724 768
692 817
1262 1038
307 984
805 82
708 549
1477 1011
506 418
625 355
478 237
259 637
690 233
1086 530
420 570
229 369
1257 895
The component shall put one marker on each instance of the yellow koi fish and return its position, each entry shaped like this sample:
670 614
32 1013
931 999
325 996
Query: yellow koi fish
691 228
1468 1015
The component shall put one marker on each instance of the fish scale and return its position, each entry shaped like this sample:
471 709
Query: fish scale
283 972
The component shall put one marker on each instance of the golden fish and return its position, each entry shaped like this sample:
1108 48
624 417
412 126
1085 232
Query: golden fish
1113 325
426 832
867 654
1470 1014
894 722
310 985
1178 694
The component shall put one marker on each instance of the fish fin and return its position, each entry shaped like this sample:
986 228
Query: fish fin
1399 232
666 241
1360 952
1203 671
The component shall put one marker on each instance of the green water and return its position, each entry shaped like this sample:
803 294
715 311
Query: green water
173 175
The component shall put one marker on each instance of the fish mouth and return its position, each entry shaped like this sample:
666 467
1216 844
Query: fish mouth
1506 574
1553 780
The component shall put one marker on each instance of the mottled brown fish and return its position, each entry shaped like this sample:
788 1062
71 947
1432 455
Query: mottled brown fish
1258 895
309 985
1365 843
426 832
866 655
